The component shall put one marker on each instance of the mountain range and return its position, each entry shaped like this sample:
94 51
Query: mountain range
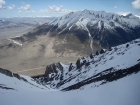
83 32
88 30
73 35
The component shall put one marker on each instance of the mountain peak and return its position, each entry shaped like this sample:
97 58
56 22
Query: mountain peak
86 10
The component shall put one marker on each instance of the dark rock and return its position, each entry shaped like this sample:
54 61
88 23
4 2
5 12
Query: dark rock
84 62
102 51
127 45
60 66
17 76
88 63
2 70
78 64
91 56
70 67
6 72
10 74
97 53
23 79
110 49
53 68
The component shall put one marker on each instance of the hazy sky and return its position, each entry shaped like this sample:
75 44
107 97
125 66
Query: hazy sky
23 8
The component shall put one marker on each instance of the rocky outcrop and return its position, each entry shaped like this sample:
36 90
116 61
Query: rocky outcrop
6 72
53 68
10 74
80 63
98 68
70 67
102 51
91 56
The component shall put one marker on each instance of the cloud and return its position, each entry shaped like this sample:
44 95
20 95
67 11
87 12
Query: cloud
12 6
55 9
115 7
2 3
123 13
137 16
31 11
26 8
136 4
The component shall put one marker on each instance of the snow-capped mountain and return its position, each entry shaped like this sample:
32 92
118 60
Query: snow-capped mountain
97 69
107 77
77 34
87 31
103 20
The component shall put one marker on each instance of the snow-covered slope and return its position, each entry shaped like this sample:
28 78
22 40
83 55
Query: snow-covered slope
107 77
122 92
100 68
16 82
101 18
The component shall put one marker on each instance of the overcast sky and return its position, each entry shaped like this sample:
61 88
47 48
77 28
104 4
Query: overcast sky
23 8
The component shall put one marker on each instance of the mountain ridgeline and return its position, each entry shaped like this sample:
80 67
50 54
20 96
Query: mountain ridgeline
92 71
95 70
80 33
84 32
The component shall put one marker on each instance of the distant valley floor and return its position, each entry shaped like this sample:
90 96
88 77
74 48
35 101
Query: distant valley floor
32 67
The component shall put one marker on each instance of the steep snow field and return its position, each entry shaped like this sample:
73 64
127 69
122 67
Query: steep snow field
122 92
